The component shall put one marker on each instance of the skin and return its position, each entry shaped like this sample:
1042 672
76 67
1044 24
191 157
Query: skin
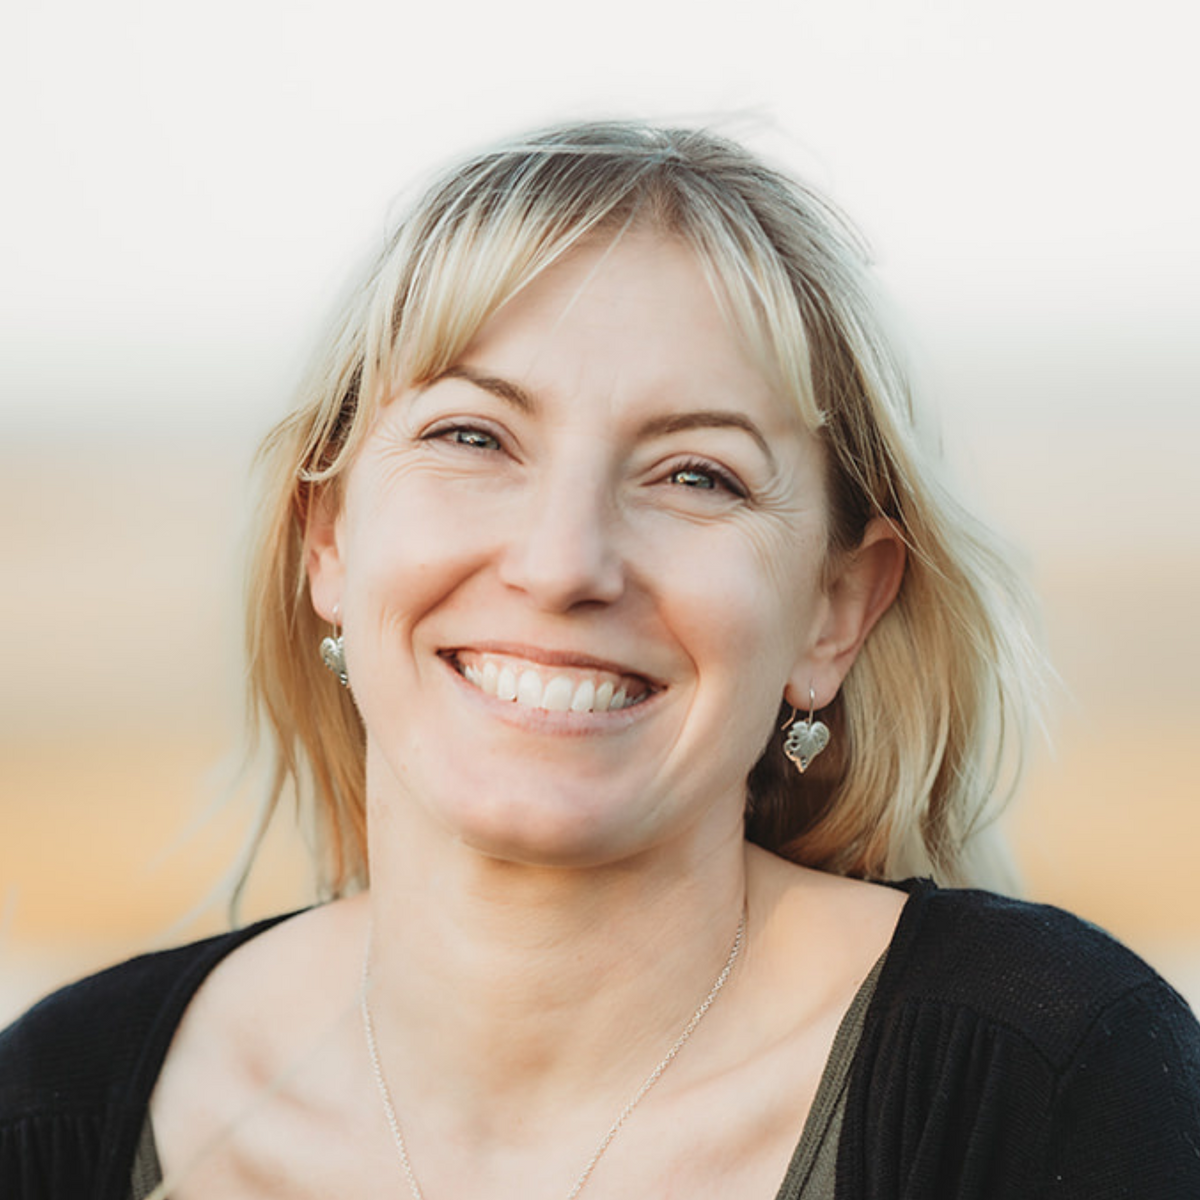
603 487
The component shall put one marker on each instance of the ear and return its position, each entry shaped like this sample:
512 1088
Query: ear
862 589
323 552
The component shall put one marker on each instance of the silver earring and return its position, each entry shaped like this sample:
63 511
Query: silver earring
806 739
333 652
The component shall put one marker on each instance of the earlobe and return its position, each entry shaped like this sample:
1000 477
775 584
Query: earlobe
323 555
863 588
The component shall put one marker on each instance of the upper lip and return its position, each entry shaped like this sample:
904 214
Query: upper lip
552 658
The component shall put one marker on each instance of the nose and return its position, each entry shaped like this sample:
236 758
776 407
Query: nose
565 552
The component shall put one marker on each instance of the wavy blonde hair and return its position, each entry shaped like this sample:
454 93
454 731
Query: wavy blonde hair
929 724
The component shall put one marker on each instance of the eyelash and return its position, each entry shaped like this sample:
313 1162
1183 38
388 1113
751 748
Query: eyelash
474 438
722 479
470 436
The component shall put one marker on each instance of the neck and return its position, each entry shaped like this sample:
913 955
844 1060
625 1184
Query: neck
502 989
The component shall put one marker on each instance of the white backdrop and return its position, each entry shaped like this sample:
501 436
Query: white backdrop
186 184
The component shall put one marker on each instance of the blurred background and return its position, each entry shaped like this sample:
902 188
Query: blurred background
189 187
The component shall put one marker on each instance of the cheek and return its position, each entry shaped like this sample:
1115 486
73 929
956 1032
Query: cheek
409 544
746 607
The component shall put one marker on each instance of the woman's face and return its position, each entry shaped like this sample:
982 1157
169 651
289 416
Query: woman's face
577 573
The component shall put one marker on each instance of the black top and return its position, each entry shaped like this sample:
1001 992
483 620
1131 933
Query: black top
1011 1052
1014 1051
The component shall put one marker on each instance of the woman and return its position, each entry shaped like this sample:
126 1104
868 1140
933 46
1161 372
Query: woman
606 486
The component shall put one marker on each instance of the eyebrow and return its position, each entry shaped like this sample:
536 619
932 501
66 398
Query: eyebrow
708 418
705 418
502 388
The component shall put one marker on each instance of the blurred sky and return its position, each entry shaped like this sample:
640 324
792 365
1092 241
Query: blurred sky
188 186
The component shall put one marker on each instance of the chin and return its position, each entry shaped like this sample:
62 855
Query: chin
546 836
570 827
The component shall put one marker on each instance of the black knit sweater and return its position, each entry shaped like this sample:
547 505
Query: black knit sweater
1011 1052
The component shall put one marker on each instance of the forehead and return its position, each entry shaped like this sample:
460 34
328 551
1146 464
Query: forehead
638 316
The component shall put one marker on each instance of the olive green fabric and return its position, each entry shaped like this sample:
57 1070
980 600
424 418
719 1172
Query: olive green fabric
812 1173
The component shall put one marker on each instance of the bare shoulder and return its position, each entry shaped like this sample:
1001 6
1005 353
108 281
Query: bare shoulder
813 939
261 982
814 925
258 1027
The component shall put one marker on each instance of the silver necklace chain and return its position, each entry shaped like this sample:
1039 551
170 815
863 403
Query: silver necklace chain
389 1108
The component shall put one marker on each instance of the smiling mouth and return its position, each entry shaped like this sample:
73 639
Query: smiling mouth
550 688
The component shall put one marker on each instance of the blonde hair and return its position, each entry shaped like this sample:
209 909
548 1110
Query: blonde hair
930 721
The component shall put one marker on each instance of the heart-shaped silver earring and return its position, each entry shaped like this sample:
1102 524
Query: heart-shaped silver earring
333 652
806 739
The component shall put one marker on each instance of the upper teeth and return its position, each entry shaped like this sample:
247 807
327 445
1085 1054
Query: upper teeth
555 692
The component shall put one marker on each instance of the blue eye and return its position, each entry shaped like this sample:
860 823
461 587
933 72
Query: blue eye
692 478
466 435
705 477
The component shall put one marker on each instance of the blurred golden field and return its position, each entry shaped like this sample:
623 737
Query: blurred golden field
121 713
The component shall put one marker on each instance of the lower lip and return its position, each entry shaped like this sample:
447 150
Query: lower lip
542 720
